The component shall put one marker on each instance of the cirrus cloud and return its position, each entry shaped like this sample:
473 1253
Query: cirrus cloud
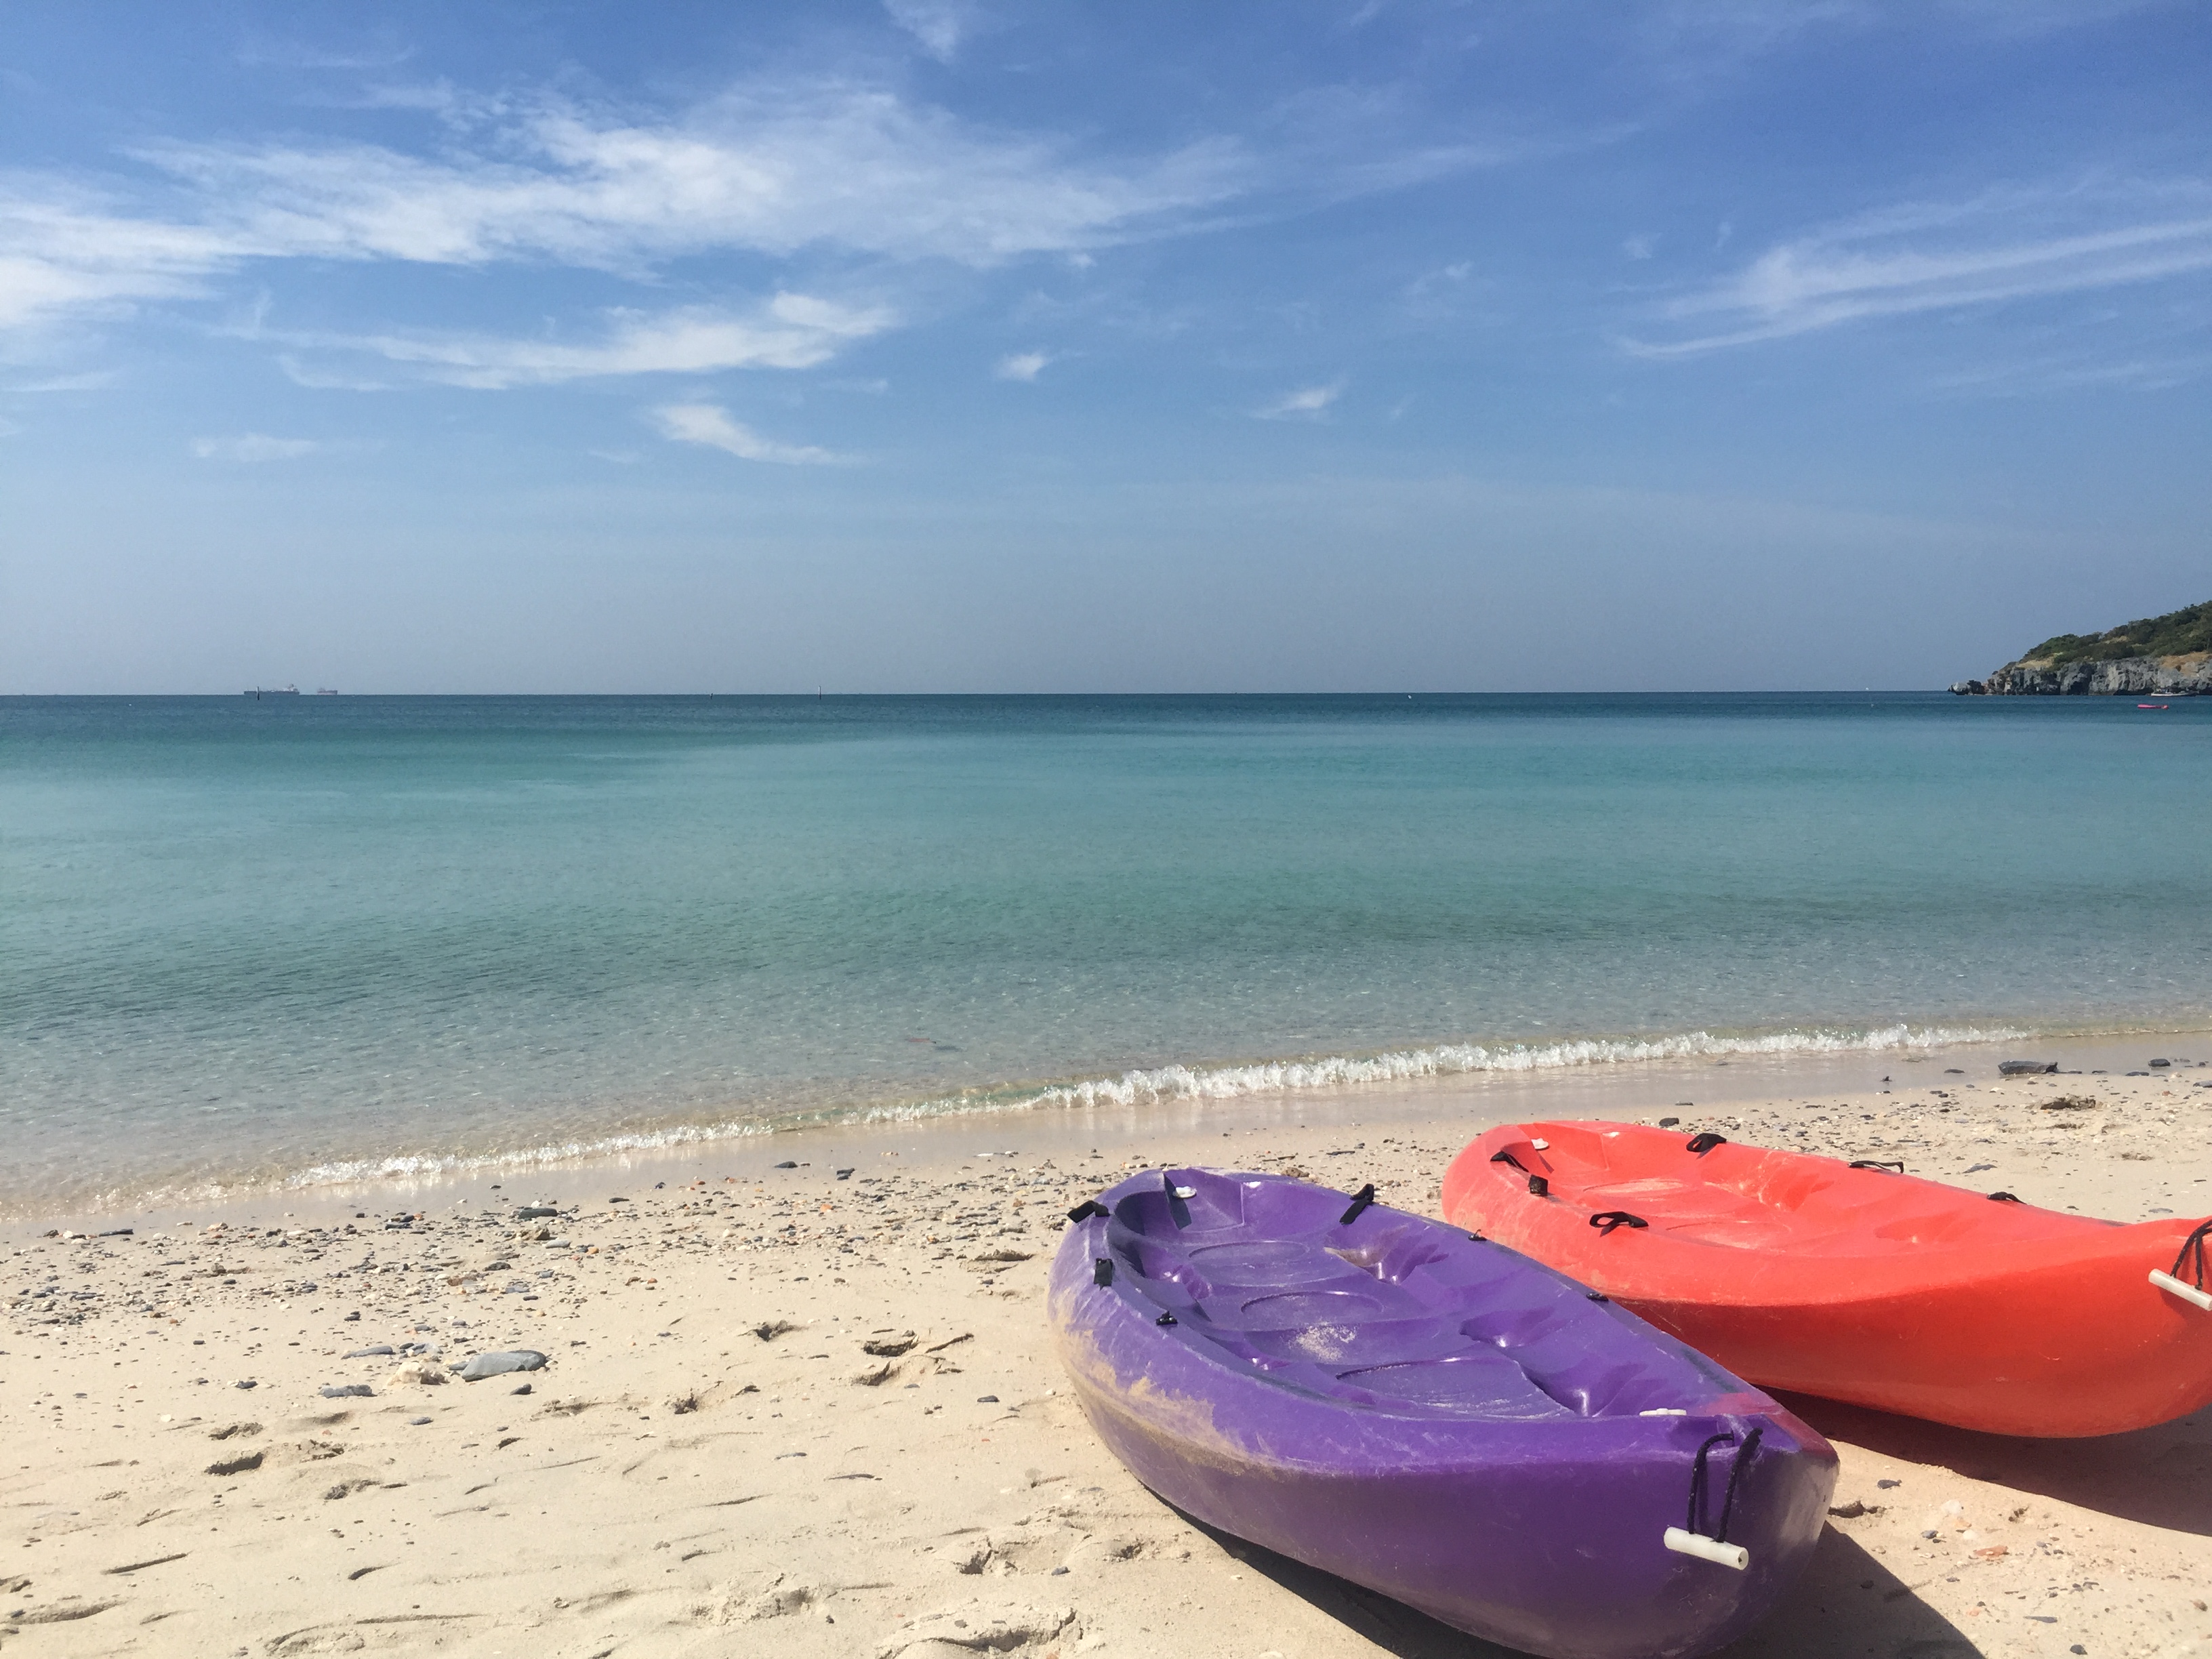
711 425
1307 404
2005 245
256 446
769 169
791 330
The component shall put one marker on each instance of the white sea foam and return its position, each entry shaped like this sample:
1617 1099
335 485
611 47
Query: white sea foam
435 1166
1186 1082
1150 1086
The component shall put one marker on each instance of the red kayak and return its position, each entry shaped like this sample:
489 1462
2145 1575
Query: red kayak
1856 1281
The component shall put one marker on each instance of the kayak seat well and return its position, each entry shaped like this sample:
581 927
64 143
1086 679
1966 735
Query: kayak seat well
1388 1311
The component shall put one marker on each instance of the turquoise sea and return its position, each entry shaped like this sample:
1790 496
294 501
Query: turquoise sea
299 938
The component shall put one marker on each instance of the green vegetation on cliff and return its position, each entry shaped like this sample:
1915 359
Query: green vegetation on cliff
2173 635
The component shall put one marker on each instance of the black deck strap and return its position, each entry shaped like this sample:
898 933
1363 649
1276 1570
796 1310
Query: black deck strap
2004 1198
1508 1158
1165 1319
1360 1200
1605 1220
2192 1258
1698 1482
1599 1296
1702 1144
1539 1188
1102 1271
1878 1163
1084 1211
1748 1450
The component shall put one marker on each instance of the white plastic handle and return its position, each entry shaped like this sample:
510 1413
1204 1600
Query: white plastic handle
1707 1549
2186 1292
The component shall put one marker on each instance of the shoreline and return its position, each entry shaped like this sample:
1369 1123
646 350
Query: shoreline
790 1412
1257 1092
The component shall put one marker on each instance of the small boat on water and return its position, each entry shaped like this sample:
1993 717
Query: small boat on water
2154 705
1430 1415
1857 1281
259 691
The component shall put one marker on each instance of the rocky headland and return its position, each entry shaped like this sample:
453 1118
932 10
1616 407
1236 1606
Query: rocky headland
2159 656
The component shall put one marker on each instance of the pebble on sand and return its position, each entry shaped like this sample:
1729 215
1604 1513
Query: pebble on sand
482 1365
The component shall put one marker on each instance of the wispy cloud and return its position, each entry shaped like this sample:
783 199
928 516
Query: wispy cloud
67 255
255 446
2044 375
1022 365
269 52
792 330
708 425
1729 30
939 25
99 380
773 170
830 165
323 379
2005 245
1307 404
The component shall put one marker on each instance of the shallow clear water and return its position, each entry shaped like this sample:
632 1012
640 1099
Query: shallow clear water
261 941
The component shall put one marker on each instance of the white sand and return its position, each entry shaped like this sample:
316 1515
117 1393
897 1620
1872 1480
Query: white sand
677 1483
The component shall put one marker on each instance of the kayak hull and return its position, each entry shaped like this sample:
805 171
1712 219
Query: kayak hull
1544 1532
1862 1285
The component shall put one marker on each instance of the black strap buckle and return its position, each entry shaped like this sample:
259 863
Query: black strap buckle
1702 1144
1605 1220
1360 1200
1084 1211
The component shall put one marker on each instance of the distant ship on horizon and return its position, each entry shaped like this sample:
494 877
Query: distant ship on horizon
274 691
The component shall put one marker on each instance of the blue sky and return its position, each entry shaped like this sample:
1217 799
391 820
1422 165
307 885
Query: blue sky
948 346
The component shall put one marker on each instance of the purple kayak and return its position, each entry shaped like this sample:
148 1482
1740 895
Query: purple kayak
1430 1415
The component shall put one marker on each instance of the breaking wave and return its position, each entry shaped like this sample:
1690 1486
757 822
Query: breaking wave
1185 1083
1138 1087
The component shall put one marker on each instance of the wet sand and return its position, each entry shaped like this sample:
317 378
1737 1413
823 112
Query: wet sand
795 1411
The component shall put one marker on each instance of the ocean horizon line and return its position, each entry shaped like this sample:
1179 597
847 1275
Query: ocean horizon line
829 695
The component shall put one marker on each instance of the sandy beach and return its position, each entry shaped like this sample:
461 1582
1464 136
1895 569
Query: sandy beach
799 1399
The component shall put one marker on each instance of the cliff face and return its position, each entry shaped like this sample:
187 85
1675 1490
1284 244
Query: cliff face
2182 676
2168 656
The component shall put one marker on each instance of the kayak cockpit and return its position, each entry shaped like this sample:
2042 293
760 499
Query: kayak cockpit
1384 1310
